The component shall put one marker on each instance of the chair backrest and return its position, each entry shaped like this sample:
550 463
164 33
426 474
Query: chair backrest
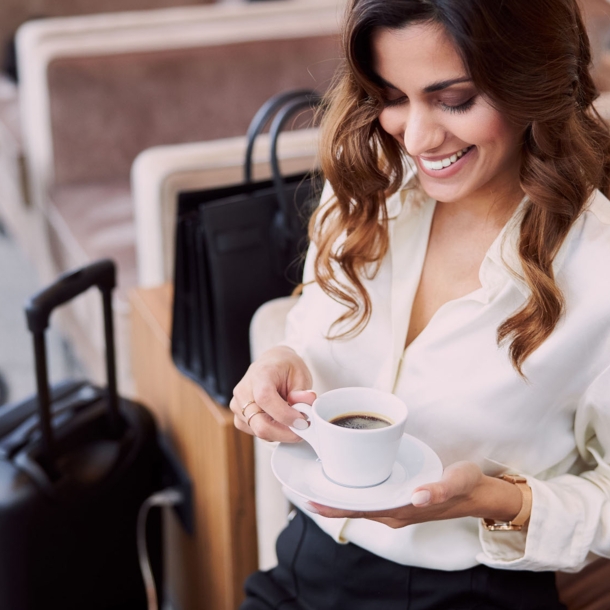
597 20
160 173
105 110
96 90
13 13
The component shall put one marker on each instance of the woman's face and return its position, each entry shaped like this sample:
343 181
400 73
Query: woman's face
465 150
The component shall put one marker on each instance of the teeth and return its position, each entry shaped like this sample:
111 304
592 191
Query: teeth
444 162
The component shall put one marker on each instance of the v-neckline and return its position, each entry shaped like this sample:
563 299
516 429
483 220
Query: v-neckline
465 296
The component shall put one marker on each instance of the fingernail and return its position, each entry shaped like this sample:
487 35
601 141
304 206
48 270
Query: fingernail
300 424
311 508
420 498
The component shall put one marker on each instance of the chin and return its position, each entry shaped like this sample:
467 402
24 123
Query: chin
445 193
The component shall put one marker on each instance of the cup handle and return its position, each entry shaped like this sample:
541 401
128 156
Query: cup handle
308 434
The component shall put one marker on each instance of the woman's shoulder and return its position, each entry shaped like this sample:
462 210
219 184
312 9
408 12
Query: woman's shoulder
592 230
598 210
588 249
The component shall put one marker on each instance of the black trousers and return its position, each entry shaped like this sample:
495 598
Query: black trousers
316 573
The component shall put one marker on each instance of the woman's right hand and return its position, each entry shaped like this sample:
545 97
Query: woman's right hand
261 400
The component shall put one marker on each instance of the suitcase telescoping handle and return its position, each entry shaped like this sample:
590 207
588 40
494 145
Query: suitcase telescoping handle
38 310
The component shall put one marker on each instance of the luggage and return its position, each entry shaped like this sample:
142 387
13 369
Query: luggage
76 463
238 247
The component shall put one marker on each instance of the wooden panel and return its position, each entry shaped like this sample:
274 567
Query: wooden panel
588 589
205 572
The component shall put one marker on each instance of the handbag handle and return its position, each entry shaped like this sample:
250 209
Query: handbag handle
260 120
309 100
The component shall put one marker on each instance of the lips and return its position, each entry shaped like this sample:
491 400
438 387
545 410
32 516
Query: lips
448 167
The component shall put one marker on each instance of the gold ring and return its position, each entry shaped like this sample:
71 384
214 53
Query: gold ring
253 415
243 409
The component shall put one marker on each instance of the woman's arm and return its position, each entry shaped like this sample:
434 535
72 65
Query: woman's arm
570 517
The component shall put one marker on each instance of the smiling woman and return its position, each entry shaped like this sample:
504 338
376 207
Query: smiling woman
458 260
525 72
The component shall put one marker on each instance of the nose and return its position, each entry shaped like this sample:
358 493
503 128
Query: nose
417 126
422 131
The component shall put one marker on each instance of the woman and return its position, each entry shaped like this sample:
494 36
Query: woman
459 260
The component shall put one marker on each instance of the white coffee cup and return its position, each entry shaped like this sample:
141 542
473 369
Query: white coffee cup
355 457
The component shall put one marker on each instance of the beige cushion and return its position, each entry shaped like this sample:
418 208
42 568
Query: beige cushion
267 330
268 326
105 110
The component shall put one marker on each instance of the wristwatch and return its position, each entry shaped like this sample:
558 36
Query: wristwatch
516 524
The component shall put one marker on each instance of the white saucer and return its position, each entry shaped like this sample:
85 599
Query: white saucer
297 467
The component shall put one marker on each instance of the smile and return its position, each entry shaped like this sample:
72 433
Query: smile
446 162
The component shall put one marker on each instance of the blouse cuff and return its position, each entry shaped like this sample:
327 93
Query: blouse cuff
558 535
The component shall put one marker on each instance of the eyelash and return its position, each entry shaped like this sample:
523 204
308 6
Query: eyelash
465 107
459 108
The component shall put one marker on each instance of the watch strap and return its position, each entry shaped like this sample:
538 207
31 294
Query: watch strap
523 516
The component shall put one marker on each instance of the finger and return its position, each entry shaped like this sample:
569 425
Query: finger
267 398
458 480
306 396
242 406
390 521
266 428
241 425
337 513
239 400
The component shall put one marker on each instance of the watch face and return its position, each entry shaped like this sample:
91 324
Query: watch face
499 526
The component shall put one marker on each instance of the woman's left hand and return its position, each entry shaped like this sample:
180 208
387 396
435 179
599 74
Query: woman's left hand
463 491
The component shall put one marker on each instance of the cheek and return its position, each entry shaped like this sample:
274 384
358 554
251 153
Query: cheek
391 123
499 131
489 128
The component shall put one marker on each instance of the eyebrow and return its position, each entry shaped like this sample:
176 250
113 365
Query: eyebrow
438 86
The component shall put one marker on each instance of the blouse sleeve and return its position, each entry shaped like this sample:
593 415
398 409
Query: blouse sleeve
570 517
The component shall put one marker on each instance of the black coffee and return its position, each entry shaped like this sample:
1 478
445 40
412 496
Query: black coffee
361 421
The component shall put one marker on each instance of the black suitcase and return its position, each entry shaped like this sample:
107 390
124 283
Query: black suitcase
76 463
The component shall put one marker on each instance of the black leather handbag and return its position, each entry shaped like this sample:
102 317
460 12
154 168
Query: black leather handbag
236 248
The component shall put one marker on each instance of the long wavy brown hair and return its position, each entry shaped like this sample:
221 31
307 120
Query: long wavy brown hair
531 59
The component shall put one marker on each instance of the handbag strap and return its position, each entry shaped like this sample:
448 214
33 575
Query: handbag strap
260 120
308 100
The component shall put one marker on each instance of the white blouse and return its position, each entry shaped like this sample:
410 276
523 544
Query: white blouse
466 400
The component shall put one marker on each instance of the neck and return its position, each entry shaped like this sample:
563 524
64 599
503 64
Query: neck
492 209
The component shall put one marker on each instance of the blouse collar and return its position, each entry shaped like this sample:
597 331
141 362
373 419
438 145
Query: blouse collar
502 261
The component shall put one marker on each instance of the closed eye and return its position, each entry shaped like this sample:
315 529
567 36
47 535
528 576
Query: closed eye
464 107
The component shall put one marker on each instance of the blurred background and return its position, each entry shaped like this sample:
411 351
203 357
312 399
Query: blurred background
90 93
18 281
109 110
